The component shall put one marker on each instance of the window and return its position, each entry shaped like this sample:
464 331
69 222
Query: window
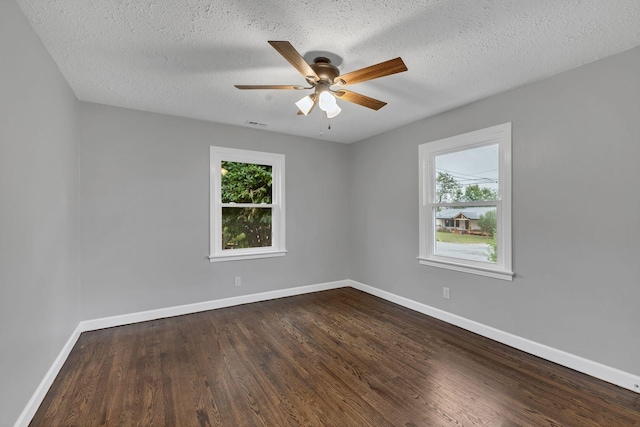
247 204
465 202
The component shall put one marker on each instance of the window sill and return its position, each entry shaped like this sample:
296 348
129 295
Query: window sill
487 272
244 256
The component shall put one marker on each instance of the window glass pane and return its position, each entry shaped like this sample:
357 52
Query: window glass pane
466 233
245 182
246 228
467 176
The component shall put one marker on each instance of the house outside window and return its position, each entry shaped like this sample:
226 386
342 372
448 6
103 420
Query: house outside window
247 204
465 203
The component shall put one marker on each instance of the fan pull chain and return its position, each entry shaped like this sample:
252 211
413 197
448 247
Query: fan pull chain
322 115
328 120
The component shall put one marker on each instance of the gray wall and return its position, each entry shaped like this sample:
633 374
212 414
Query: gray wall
576 148
145 212
39 286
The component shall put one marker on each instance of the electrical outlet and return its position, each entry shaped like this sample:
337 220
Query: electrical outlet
237 282
446 293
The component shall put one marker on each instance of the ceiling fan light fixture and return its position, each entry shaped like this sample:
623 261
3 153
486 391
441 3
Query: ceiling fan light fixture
327 102
333 111
305 105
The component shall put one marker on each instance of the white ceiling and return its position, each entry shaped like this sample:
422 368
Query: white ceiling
182 57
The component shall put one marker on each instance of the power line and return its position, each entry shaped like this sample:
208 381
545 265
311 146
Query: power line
470 179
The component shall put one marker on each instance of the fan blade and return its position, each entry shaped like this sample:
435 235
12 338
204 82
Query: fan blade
356 98
382 69
291 54
271 87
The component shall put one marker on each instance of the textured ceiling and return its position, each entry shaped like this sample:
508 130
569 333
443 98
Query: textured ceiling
182 57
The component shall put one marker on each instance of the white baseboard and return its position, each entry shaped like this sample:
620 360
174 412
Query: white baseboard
144 316
577 363
34 403
580 364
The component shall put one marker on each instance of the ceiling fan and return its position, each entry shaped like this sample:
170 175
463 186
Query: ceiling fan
322 75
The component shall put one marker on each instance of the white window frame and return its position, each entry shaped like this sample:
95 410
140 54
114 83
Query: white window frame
496 135
276 161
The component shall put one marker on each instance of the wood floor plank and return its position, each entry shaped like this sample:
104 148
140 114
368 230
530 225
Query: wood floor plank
334 358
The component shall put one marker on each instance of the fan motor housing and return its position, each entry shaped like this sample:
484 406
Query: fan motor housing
325 69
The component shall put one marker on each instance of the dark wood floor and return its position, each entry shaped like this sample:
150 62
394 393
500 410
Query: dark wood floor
334 358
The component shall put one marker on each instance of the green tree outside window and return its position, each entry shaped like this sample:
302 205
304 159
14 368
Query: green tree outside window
246 184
